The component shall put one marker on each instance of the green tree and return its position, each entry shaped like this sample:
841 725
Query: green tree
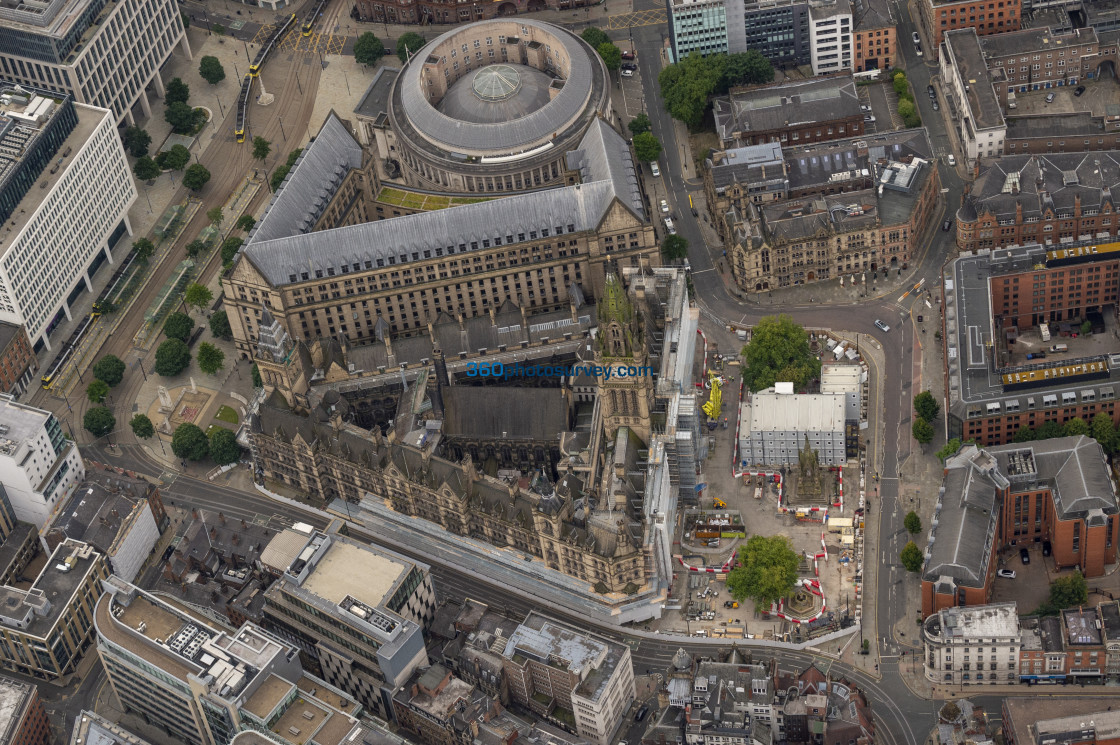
779 351
172 357
901 85
143 249
673 247
368 49
196 177
176 91
145 169
136 141
646 147
951 448
1069 591
181 117
922 430
223 447
246 223
687 86
1024 434
1086 328
767 570
912 522
1103 432
745 68
293 157
1049 430
142 426
611 54
927 406
230 247
176 158
595 36
911 557
109 368
178 326
104 306
97 390
215 215
211 70
194 248
219 326
256 374
189 442
639 124
278 176
408 45
261 148
218 29
1074 427
99 421
906 108
210 358
198 296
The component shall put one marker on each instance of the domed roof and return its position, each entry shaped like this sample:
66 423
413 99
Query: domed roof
682 660
496 82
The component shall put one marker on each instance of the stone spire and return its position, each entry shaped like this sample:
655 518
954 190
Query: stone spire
273 341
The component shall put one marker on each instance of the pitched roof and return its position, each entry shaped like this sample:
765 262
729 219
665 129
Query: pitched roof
781 106
505 412
603 155
1036 182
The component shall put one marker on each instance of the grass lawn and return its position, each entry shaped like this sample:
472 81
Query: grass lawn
210 430
226 414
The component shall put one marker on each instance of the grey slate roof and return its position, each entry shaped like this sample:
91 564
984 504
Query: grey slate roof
375 101
777 107
603 155
964 49
872 14
310 184
504 412
531 130
1032 180
1080 123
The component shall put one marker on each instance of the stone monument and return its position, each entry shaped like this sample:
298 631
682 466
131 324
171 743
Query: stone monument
810 488
165 405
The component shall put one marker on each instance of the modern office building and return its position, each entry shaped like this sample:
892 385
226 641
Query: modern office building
970 88
359 612
551 665
776 423
205 684
697 26
985 16
91 728
1059 490
104 54
39 466
45 629
972 646
830 37
778 29
19 541
65 191
17 361
23 720
798 113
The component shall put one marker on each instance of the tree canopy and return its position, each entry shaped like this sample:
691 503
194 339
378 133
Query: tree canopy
639 124
230 247
211 70
1103 432
196 177
136 141
181 117
673 248
688 85
178 326
611 54
176 91
408 45
744 68
646 147
913 523
368 49
97 390
922 430
99 421
219 325
779 352
144 249
142 426
926 406
595 36
1067 591
210 358
172 357
174 159
1074 427
215 215
223 447
950 449
198 296
911 557
145 169
110 369
767 570
246 223
261 147
190 442
194 248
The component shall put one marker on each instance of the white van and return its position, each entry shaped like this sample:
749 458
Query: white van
1059 348
654 169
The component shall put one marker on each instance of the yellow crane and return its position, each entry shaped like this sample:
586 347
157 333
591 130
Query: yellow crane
715 401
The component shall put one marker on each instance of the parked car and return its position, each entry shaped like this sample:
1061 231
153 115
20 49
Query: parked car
951 160
918 49
1079 90
1006 573
1049 98
947 225
932 93
869 118
882 326
917 39
1025 556
1046 548
936 106
654 169
628 55
627 73
673 231
664 206
865 108
629 66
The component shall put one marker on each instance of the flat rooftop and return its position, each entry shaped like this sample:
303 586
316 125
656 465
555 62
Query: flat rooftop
983 106
54 585
577 651
93 729
1054 125
985 621
15 697
96 516
18 422
267 696
1029 718
350 569
801 412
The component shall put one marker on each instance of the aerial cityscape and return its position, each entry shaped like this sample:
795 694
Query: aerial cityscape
559 372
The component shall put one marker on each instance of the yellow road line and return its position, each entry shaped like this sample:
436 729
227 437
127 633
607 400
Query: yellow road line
638 18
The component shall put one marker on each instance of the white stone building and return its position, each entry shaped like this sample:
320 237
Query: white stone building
774 425
39 467
977 645
830 36
67 189
102 53
967 84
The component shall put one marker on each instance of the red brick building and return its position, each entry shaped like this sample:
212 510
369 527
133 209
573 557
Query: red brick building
1059 490
23 720
986 16
17 361
797 113
875 38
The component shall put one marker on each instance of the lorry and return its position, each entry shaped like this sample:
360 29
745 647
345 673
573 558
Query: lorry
1044 329
1059 348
